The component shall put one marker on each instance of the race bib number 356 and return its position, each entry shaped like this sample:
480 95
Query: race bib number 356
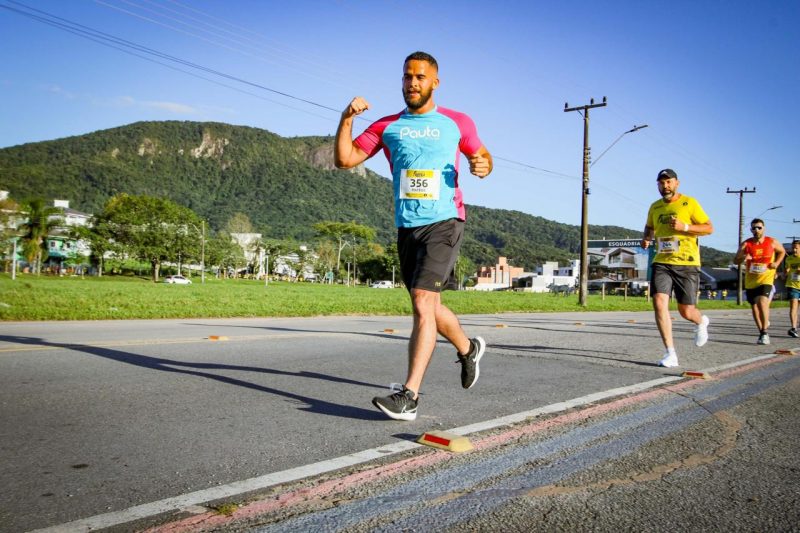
418 184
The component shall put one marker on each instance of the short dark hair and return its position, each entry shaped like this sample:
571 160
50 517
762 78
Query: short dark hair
757 221
423 56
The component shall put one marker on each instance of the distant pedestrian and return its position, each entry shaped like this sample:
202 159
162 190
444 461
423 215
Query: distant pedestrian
761 255
675 222
792 272
423 143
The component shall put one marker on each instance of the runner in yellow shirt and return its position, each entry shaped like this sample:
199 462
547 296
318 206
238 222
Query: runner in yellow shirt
673 225
792 272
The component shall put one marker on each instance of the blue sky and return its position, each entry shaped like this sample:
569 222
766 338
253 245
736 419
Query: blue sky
716 83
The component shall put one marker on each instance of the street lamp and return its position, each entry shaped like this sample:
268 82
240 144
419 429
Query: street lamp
770 209
635 128
584 266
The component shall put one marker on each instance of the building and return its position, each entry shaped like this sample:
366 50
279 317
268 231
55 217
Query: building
549 277
62 248
499 276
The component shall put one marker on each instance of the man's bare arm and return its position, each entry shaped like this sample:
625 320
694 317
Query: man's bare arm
481 163
345 152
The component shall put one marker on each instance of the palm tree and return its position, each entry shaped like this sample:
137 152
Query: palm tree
40 222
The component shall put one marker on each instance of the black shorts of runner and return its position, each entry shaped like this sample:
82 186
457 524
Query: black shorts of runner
428 255
684 280
755 292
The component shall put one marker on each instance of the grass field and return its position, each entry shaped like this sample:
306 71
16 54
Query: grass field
115 297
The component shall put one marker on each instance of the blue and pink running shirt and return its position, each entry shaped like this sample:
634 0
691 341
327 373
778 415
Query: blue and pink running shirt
423 156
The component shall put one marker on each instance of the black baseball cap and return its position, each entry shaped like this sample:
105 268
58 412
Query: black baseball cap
666 174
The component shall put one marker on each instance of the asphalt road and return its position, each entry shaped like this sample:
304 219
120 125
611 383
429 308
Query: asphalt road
126 424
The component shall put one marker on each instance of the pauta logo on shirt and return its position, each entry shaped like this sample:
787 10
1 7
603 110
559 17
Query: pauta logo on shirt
428 132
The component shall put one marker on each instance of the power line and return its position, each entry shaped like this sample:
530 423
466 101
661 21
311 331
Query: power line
126 46
92 34
239 44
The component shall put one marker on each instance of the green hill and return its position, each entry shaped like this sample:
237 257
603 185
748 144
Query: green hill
284 185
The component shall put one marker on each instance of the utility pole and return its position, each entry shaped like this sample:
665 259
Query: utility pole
203 252
794 237
584 278
739 277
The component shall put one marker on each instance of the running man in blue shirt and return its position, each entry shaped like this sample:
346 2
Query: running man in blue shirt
422 144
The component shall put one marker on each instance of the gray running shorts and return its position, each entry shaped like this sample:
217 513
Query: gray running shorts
684 280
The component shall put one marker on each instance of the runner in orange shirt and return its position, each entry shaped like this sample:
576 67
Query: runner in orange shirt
761 255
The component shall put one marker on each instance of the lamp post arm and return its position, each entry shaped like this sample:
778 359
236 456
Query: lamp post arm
635 128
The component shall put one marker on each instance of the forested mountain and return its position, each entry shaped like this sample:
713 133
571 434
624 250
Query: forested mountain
284 185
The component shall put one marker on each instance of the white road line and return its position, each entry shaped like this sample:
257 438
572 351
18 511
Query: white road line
192 499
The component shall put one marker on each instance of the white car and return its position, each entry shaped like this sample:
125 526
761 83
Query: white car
178 280
382 285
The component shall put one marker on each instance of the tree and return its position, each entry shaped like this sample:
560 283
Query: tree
151 229
224 253
98 236
239 223
40 221
324 259
464 268
341 231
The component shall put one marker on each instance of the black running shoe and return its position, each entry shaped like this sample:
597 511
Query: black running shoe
793 333
469 363
399 405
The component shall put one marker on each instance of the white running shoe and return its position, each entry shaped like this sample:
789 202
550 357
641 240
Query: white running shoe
763 339
669 360
701 332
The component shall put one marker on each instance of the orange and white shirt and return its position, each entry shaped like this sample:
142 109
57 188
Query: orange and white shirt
758 271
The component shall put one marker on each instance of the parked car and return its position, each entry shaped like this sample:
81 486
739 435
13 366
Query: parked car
385 284
178 280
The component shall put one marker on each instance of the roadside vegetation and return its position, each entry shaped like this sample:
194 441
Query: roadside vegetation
31 297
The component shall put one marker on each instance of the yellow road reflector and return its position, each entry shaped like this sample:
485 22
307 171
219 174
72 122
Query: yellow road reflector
696 375
631 322
781 351
500 326
578 323
445 441
390 330
217 338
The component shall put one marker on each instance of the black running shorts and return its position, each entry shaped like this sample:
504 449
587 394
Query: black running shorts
756 292
684 280
428 255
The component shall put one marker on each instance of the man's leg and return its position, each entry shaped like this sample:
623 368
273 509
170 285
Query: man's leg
448 326
690 313
762 302
423 336
663 320
793 304
758 317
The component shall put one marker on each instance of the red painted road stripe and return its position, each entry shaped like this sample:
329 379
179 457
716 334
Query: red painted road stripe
427 458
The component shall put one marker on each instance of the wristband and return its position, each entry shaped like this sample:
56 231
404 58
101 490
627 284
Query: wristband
685 227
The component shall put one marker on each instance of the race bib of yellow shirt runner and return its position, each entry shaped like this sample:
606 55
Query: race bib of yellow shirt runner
417 184
668 245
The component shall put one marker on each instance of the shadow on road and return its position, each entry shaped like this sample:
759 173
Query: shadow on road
314 405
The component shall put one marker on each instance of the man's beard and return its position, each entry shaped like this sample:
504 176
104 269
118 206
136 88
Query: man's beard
423 99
